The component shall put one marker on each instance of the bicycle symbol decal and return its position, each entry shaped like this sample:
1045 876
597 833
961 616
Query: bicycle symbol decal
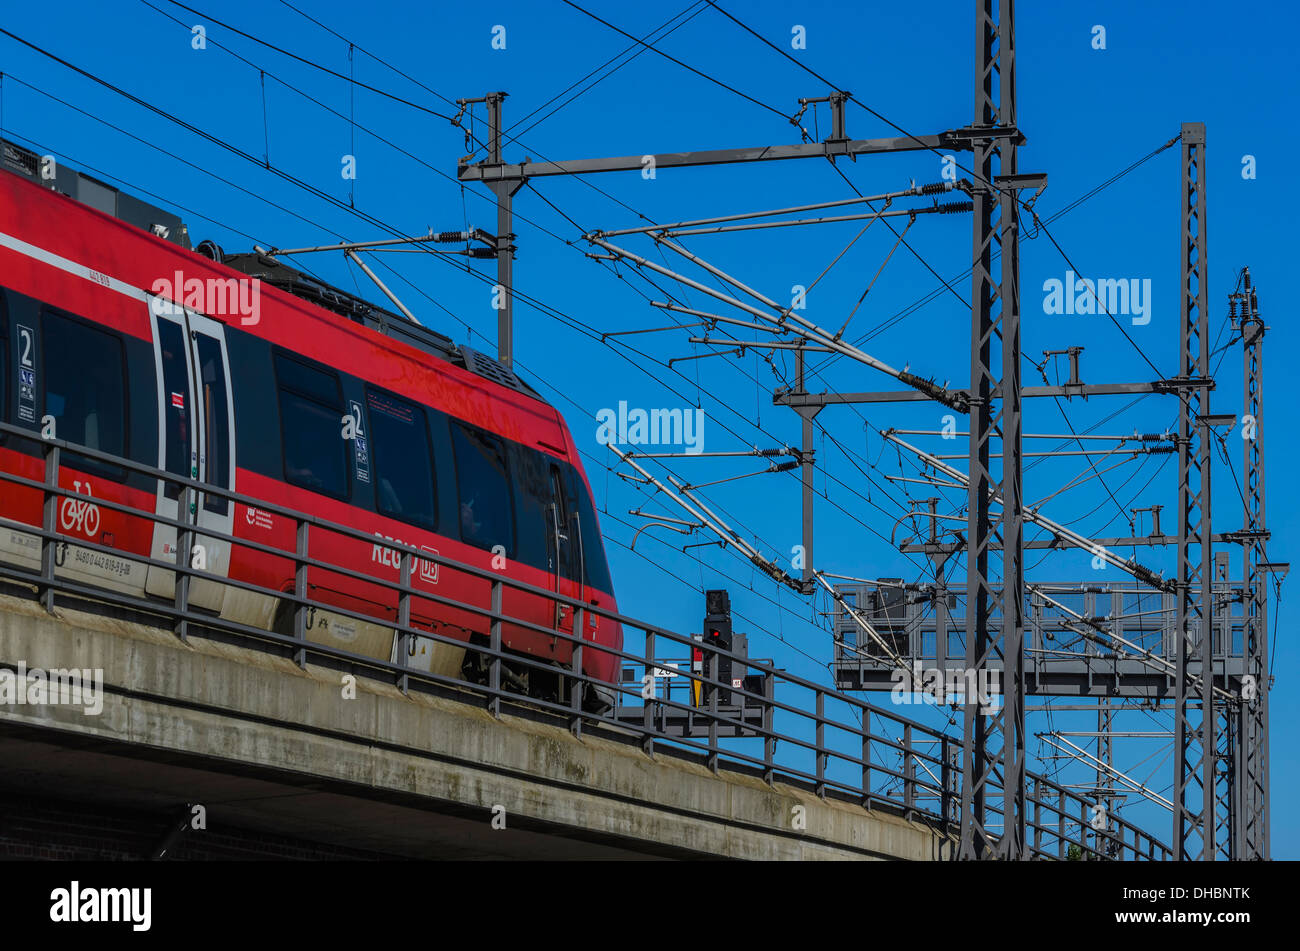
79 515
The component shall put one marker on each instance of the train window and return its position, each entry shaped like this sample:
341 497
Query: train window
176 400
532 507
583 543
560 522
314 383
593 550
311 410
85 388
216 421
399 445
486 503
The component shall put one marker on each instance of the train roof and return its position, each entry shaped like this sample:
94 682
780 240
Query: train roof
44 171
111 200
276 273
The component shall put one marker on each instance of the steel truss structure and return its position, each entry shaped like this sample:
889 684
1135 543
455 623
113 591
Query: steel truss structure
997 743
1250 830
1194 717
989 749
1207 623
991 814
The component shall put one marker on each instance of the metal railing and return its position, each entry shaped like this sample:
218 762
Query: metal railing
808 734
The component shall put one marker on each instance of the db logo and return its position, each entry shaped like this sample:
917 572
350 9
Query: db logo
79 515
428 569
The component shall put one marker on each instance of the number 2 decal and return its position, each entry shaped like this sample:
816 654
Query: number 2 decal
26 344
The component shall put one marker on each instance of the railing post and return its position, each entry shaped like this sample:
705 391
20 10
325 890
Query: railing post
1084 826
1061 848
405 642
956 779
50 522
909 771
184 544
821 743
711 674
577 682
866 758
1035 794
649 703
769 727
494 642
945 778
301 528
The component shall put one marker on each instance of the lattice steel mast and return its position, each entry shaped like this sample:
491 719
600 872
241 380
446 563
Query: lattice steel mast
1194 719
1252 832
996 743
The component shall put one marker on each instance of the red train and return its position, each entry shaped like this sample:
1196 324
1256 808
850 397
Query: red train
136 346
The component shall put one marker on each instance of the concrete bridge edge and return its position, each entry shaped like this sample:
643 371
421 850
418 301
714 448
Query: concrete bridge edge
230 707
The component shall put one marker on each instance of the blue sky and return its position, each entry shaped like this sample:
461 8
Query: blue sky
1087 114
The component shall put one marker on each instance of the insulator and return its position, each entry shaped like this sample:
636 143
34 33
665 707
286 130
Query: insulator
936 188
451 237
954 207
1147 575
1158 450
772 452
482 252
1154 437
784 466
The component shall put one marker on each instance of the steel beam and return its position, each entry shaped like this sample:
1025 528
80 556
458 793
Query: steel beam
1106 797
504 186
490 172
807 462
925 548
1253 735
1194 716
1012 845
791 398
993 746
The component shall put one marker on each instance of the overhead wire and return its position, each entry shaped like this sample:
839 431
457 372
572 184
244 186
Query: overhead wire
645 45
558 210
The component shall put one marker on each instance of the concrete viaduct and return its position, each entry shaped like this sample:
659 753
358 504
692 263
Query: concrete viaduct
274 752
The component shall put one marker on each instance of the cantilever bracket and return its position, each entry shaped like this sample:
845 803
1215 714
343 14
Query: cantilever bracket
973 133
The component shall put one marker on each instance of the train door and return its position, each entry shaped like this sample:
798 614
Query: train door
565 551
196 439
